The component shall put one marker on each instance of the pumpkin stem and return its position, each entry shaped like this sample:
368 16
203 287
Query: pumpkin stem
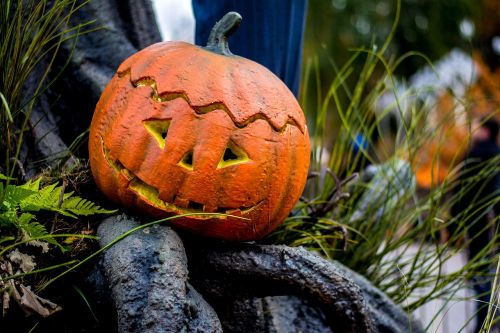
217 41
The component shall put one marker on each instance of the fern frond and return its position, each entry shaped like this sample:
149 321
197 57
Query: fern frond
8 218
80 206
13 195
49 198
4 177
24 220
7 239
32 229
67 195
45 199
18 201
33 185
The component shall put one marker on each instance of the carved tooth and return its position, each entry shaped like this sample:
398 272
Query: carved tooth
180 202
166 196
127 174
196 206
119 164
235 212
209 209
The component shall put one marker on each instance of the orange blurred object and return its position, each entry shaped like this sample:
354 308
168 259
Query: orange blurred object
437 158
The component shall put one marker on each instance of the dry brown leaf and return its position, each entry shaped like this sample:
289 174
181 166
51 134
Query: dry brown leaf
43 245
29 302
5 295
25 261
8 287
70 240
32 303
5 303
11 292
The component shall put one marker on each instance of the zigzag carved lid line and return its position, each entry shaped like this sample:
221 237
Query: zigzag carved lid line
203 109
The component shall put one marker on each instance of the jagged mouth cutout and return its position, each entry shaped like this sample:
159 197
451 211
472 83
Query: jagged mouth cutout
158 129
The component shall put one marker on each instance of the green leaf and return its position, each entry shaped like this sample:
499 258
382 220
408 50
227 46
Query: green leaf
80 206
4 177
8 218
33 185
14 195
7 239
7 111
25 218
49 198
32 229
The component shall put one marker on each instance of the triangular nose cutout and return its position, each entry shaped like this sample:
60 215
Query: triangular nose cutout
232 155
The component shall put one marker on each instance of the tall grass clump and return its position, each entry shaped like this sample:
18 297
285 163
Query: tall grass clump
31 33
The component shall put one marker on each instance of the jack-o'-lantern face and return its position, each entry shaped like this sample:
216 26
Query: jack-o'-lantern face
180 129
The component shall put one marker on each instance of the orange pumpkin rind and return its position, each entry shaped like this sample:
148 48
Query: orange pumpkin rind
185 130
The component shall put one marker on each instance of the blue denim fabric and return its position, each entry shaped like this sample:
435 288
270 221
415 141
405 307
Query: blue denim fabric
271 32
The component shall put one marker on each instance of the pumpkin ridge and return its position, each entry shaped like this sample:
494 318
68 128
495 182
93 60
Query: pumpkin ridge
167 96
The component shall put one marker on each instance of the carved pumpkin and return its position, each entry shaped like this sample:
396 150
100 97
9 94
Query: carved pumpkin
184 129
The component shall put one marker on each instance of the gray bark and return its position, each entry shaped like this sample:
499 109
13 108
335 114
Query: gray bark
249 288
147 277
348 301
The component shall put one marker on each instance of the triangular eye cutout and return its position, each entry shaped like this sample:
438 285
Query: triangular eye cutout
158 129
232 155
187 161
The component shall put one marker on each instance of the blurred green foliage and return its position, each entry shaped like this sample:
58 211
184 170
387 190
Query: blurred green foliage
336 30
432 27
